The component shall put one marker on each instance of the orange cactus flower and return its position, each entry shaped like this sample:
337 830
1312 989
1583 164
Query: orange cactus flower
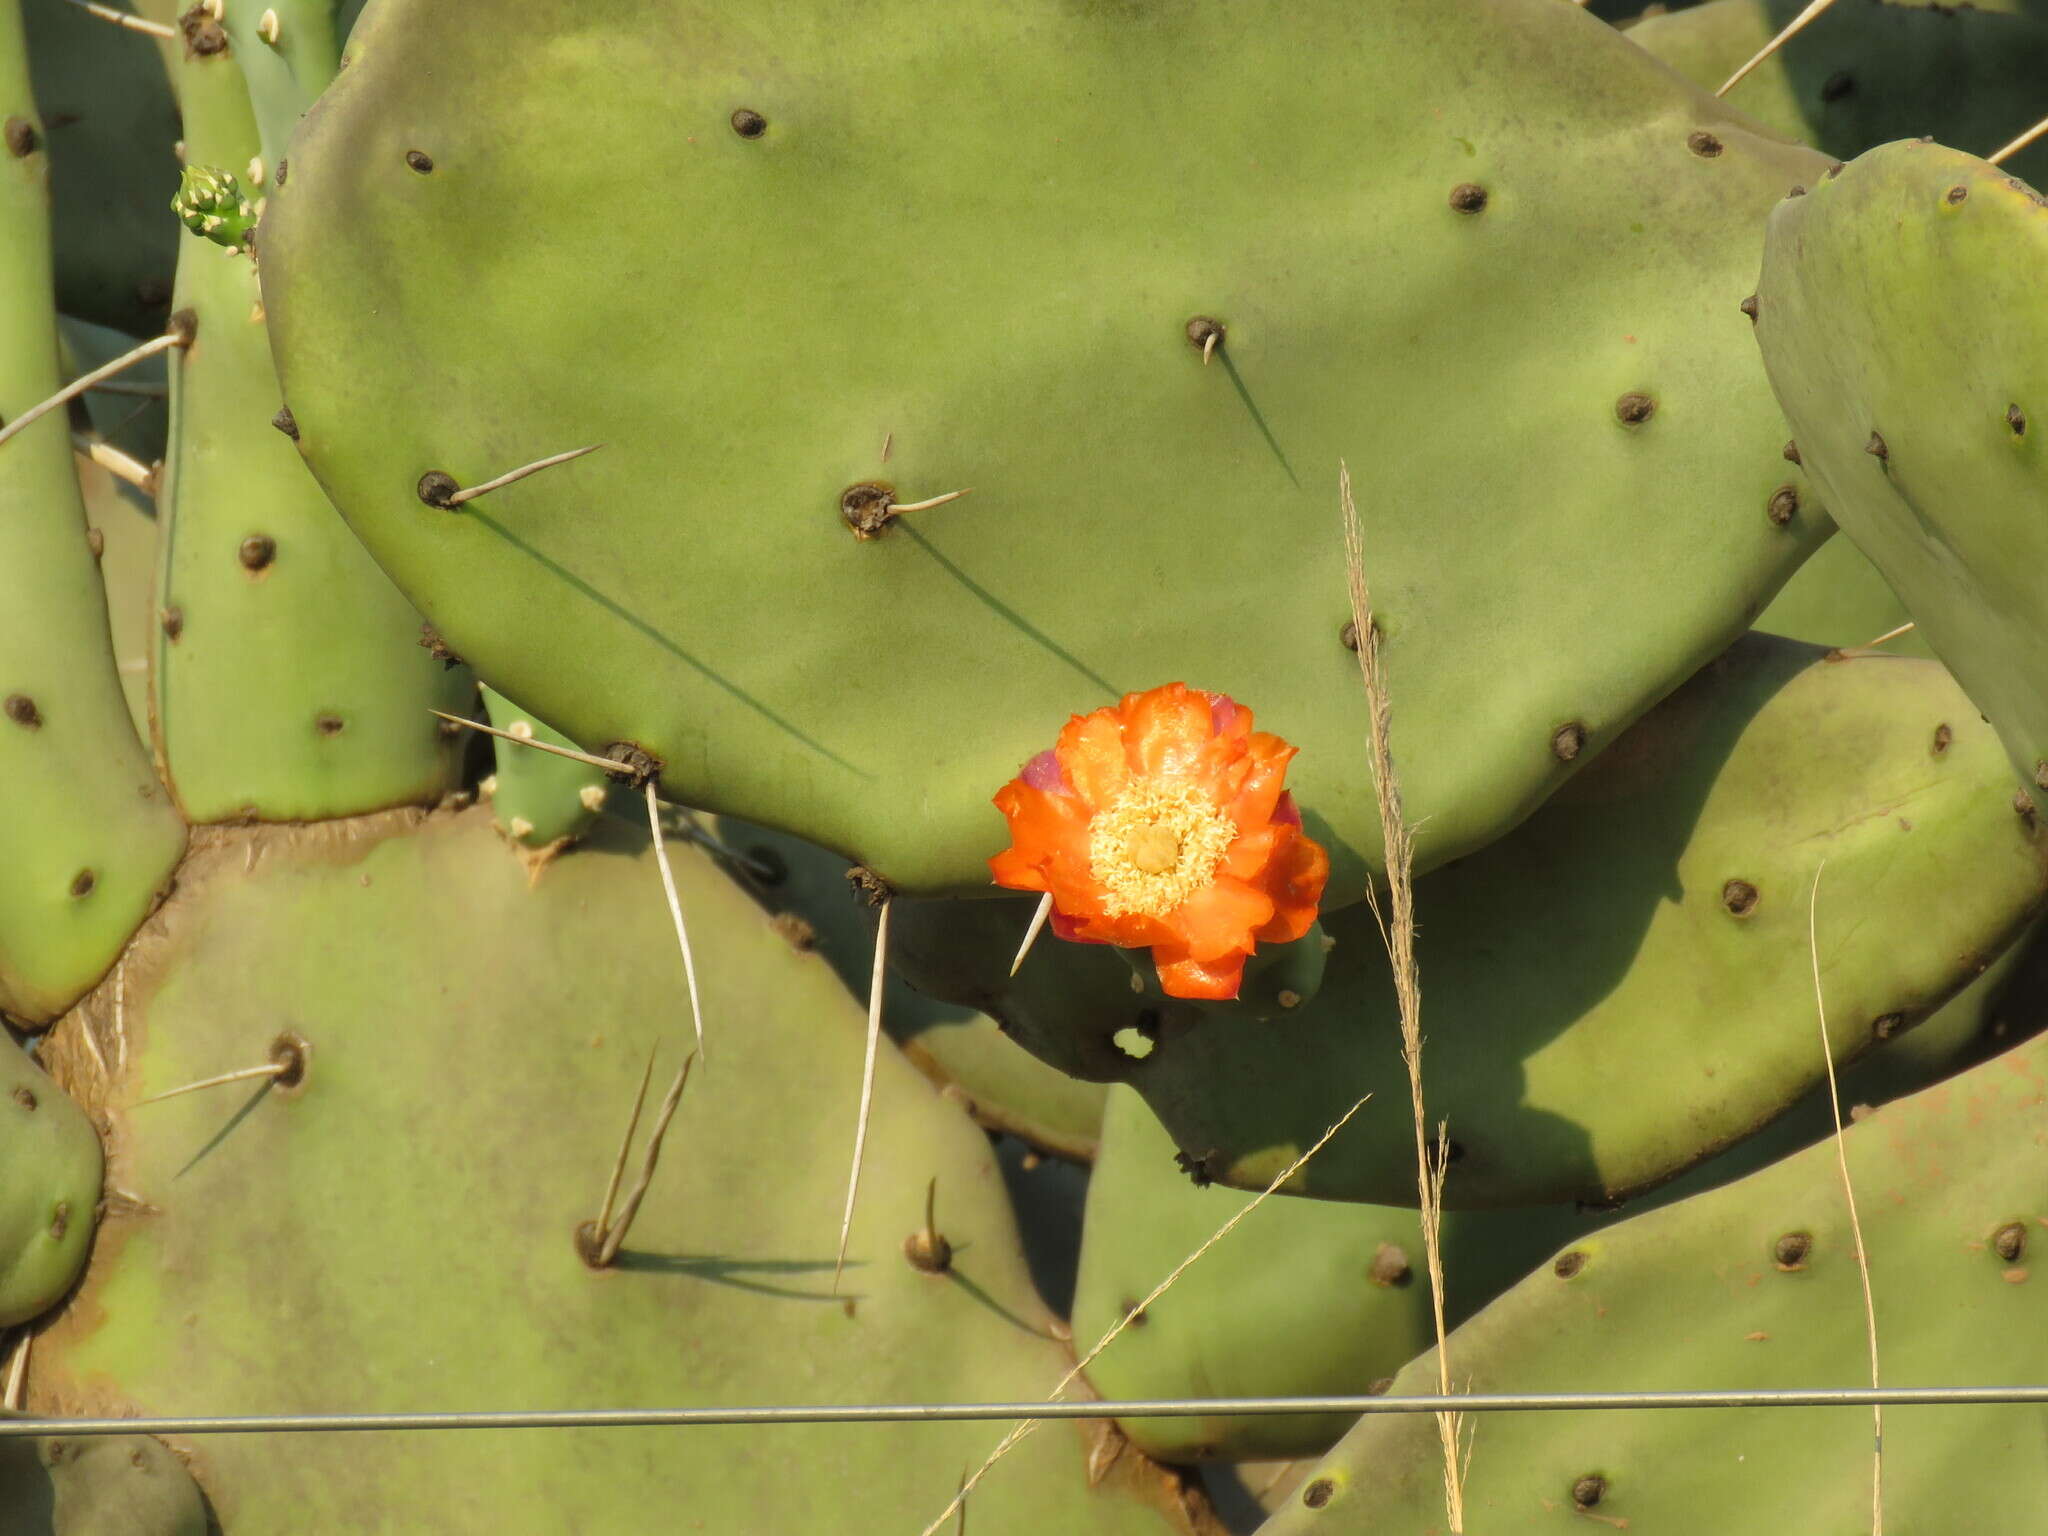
1164 823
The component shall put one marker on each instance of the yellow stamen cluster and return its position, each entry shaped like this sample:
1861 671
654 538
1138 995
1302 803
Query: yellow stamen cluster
1156 846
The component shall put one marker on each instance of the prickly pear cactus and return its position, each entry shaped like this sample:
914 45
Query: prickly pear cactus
289 683
87 837
1347 1307
1656 910
98 1485
986 305
897 409
959 1047
542 802
1896 317
52 1186
1867 72
111 128
1764 1277
397 1228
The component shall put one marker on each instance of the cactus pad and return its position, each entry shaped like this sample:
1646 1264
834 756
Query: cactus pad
1897 315
397 1231
872 290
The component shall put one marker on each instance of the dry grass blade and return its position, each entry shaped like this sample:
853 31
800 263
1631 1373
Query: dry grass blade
1031 934
129 387
2019 143
867 1083
675 912
85 381
1791 30
511 476
631 1207
15 1393
1849 1194
611 1188
1398 929
1890 634
123 466
126 19
1025 1427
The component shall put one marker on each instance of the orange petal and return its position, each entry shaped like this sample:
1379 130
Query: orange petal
1258 791
1249 856
1091 753
1048 842
1167 731
1232 721
1295 880
1215 980
1129 930
1220 918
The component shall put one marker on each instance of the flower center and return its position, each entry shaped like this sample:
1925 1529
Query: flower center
1156 846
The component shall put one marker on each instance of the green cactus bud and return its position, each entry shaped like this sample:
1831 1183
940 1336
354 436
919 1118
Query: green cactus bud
210 203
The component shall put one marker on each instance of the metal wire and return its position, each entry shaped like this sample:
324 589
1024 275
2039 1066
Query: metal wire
919 1413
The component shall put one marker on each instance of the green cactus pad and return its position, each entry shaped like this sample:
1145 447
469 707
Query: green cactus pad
541 801
398 1230
288 51
121 518
289 680
1619 988
1001 1084
98 1485
1303 1297
49 1186
1869 71
111 127
1900 322
1839 599
1755 1286
1340 1313
843 268
87 837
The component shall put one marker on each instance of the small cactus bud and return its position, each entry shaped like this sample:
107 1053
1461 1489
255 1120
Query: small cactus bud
210 203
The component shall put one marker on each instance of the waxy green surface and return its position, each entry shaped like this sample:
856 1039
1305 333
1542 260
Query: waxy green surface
396 1233
928 274
1900 322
